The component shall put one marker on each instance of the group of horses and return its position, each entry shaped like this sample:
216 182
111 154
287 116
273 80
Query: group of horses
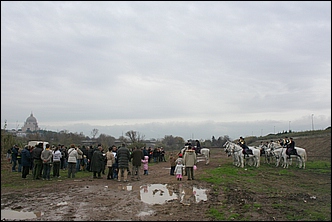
272 152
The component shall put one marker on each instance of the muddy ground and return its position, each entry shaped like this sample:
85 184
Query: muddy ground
160 197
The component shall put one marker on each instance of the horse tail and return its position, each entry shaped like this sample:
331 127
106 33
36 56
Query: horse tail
305 155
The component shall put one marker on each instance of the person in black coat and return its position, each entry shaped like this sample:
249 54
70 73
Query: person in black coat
25 161
123 158
37 161
97 162
89 156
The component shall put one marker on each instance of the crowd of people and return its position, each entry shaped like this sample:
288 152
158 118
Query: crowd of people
120 161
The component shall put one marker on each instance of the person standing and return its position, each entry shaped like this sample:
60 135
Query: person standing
26 161
97 162
162 155
136 157
19 158
63 157
79 159
110 161
72 160
56 162
37 161
8 155
155 155
172 161
145 162
89 156
115 164
180 158
123 156
190 160
145 151
46 157
150 152
14 158
178 170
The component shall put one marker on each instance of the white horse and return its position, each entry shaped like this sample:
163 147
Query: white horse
276 154
229 152
280 153
239 158
265 152
301 156
256 155
205 152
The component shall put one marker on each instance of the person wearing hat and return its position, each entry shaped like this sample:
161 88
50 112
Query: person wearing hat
179 169
190 159
244 146
285 142
97 162
181 160
291 148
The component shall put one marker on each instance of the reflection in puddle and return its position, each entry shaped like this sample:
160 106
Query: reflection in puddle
18 215
190 195
142 214
156 194
162 193
125 187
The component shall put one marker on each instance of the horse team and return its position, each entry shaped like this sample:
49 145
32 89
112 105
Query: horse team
272 151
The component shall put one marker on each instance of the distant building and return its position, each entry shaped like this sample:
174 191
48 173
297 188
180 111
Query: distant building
30 124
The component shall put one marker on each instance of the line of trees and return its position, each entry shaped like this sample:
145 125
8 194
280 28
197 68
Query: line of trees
132 138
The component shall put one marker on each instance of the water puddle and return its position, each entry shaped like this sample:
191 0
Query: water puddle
142 214
156 194
162 193
18 215
125 187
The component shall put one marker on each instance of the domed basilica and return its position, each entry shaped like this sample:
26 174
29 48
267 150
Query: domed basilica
30 124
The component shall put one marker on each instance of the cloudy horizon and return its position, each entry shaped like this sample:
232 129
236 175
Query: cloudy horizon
189 69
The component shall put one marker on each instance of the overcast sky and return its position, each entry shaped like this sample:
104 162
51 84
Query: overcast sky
188 69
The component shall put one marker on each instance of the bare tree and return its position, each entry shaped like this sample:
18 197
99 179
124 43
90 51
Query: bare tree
135 137
94 133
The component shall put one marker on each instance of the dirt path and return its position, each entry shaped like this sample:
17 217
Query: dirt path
101 199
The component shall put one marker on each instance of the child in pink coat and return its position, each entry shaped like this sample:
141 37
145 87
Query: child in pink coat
145 164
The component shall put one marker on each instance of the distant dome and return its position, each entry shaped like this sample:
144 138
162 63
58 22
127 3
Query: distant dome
31 119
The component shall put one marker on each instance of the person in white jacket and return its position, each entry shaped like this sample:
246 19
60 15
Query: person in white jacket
72 160
56 162
178 170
